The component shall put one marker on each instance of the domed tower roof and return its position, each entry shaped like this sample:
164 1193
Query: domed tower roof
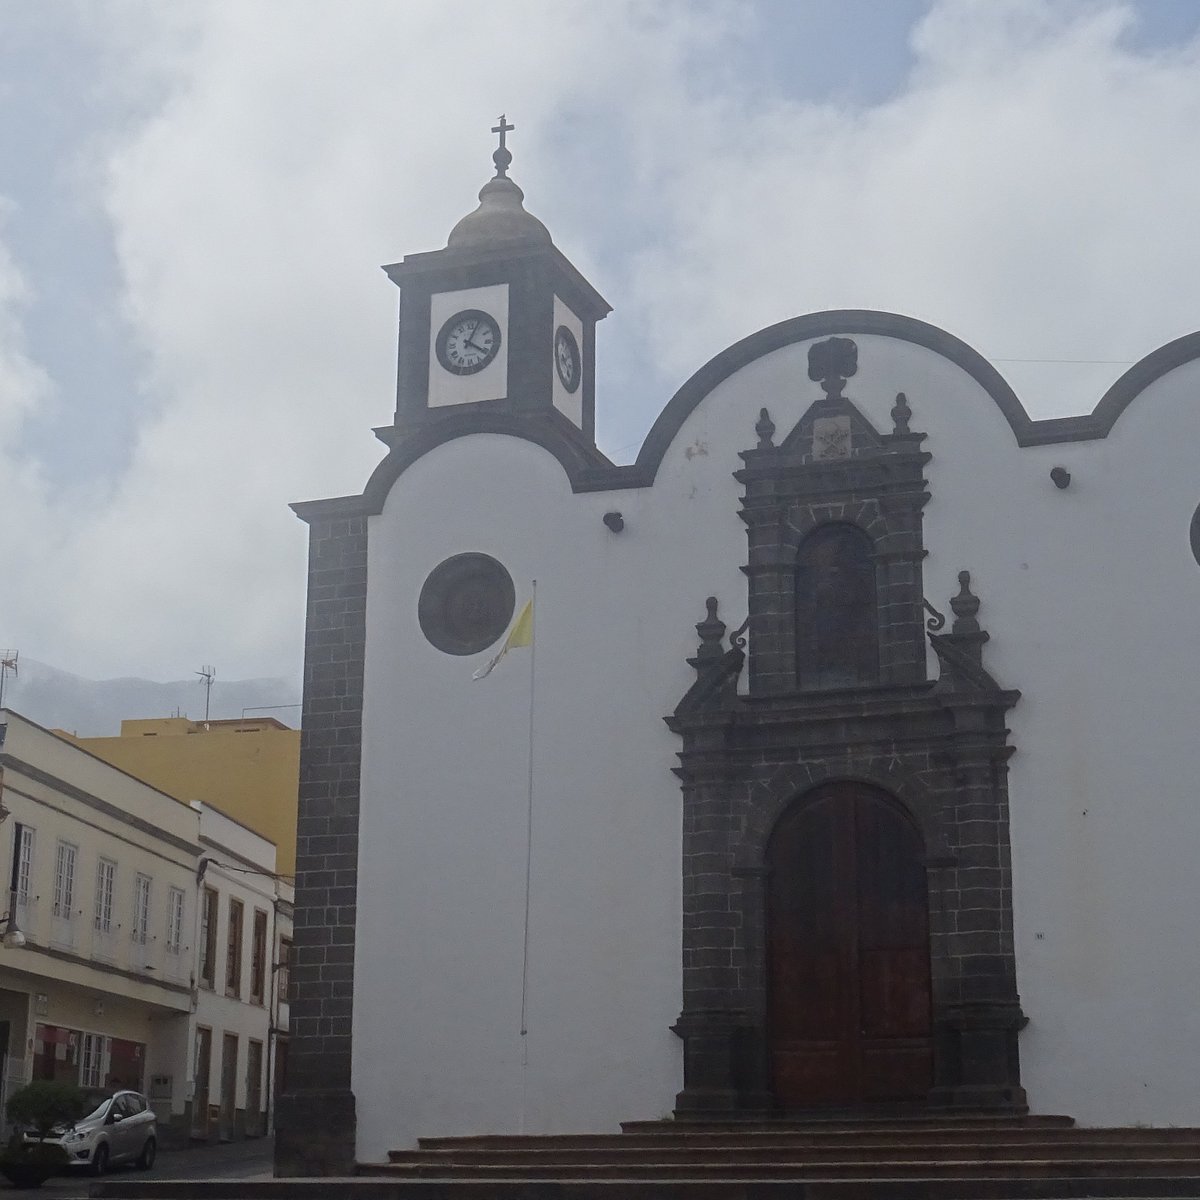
501 218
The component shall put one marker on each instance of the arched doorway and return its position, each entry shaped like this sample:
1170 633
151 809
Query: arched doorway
849 1003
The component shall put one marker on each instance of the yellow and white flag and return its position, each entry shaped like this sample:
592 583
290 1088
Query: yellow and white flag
521 634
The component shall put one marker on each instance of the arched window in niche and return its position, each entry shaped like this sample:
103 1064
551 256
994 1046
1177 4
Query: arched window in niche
837 626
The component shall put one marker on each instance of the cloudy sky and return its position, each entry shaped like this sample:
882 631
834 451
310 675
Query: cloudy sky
195 199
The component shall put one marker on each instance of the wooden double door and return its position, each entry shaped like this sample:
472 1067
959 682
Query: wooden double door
849 1002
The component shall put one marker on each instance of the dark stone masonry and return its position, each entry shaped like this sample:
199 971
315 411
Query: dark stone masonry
315 1116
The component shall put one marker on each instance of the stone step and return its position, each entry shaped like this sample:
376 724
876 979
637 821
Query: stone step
917 1119
805 1137
772 1151
1024 1168
1165 1187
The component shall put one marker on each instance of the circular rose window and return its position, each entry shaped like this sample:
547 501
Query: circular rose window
466 603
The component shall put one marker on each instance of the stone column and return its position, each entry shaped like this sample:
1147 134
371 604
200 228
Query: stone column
710 1019
977 1032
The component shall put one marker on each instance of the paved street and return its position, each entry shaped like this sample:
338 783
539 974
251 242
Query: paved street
237 1160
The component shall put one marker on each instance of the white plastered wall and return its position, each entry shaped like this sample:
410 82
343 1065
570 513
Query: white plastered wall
1083 592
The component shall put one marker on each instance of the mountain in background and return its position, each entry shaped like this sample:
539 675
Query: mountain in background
96 707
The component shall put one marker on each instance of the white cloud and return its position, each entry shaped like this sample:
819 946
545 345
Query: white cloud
28 533
285 161
1029 189
23 384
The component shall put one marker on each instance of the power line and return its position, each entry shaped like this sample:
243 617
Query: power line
207 675
8 663
1088 362
206 862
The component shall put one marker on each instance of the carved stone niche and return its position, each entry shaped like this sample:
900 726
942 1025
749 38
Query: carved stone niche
937 749
835 469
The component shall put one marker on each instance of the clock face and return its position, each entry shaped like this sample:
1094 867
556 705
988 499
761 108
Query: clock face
566 358
468 341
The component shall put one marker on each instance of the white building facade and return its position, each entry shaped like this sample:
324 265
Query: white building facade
239 1020
858 734
102 969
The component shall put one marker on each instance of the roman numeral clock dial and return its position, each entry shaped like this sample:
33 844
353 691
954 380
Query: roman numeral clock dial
468 342
566 358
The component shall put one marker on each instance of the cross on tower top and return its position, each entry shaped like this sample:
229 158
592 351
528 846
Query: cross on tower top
502 156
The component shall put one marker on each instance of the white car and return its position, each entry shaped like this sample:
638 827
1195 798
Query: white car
118 1128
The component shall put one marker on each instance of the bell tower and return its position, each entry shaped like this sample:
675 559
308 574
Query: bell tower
497 321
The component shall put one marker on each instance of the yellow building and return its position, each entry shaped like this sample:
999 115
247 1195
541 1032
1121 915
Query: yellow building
249 768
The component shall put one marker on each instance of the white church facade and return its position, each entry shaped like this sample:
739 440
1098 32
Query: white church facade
860 776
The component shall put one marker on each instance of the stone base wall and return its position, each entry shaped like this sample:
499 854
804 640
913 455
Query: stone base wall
315 1134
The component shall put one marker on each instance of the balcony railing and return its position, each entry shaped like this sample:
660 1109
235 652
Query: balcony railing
64 928
176 966
113 946
26 913
146 957
105 943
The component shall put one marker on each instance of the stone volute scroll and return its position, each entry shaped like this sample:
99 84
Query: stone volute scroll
717 668
960 652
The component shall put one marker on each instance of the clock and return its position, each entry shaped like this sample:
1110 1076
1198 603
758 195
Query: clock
468 342
566 358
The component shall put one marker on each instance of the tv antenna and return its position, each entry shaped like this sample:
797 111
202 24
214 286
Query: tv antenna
8 664
207 675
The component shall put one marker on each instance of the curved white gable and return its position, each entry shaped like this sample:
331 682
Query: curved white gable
1086 592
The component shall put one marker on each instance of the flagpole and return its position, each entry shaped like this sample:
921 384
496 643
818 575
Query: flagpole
528 865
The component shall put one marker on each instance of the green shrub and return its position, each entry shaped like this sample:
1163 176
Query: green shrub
41 1154
45 1103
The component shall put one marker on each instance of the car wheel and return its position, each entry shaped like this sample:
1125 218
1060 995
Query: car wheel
146 1158
99 1162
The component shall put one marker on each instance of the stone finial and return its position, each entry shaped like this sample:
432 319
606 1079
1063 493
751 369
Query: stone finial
964 606
901 414
831 363
711 631
765 428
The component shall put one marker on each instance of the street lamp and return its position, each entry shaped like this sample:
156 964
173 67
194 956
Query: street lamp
13 938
